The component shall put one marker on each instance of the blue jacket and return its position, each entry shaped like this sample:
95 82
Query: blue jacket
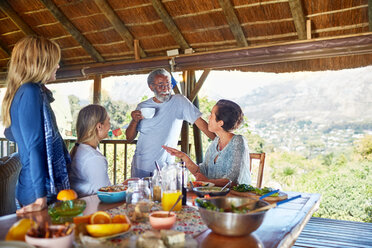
27 128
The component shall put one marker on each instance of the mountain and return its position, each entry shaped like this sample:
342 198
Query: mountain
322 97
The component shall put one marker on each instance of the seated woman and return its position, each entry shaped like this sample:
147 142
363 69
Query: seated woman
227 157
88 170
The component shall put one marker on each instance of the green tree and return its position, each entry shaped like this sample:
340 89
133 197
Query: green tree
364 147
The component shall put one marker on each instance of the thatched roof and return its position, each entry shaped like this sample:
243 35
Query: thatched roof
126 36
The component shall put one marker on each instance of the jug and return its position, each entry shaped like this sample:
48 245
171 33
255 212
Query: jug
171 186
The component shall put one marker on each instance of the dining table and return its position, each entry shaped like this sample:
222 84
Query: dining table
280 227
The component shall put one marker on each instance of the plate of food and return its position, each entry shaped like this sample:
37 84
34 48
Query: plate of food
113 193
212 191
101 226
162 238
245 190
201 184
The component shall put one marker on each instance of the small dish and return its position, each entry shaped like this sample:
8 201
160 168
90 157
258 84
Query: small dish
111 197
64 211
212 191
60 242
148 113
161 220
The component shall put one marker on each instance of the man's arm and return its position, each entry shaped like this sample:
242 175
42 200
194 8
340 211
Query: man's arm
203 126
131 131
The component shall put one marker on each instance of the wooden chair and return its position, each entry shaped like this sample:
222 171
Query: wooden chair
261 157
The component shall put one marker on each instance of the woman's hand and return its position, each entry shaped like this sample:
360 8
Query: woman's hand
175 152
38 205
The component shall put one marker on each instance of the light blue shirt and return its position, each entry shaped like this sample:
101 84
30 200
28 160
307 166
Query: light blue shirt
163 129
232 162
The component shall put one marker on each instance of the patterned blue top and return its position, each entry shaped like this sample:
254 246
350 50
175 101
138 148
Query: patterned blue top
232 161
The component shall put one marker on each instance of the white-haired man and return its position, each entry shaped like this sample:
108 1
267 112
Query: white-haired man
164 128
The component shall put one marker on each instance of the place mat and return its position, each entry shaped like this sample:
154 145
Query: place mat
188 221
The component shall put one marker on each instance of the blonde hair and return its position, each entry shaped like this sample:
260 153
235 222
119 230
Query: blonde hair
86 124
33 59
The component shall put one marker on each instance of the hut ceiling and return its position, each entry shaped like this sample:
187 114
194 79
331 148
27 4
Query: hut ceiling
122 37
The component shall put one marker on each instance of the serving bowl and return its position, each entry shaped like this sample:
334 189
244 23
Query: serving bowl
161 220
60 242
111 197
232 224
64 211
212 191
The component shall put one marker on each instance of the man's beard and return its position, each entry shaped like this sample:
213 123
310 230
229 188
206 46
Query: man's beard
162 98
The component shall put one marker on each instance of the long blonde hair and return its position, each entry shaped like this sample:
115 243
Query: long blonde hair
86 124
33 59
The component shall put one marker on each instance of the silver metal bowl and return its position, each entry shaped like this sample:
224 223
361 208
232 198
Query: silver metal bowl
233 224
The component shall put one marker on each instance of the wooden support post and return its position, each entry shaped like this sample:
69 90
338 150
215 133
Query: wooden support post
308 29
197 139
136 50
185 137
97 89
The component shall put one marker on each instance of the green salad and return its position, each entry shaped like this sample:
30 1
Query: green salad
250 188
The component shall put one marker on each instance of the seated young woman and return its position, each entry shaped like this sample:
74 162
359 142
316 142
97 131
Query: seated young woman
227 157
88 170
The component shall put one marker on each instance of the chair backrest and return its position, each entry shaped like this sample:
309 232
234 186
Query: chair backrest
261 157
10 167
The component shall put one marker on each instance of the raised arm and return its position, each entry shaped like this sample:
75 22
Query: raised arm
131 131
203 126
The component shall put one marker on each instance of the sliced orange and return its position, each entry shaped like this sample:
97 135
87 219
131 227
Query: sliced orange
100 217
67 195
19 229
106 229
82 219
119 219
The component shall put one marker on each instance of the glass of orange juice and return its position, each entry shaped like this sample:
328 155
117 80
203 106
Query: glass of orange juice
171 186
169 199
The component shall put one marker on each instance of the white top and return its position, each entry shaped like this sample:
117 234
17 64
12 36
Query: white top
88 171
163 129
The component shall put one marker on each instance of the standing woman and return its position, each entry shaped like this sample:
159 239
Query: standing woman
88 170
31 123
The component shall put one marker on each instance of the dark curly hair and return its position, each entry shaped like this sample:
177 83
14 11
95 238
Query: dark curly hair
230 113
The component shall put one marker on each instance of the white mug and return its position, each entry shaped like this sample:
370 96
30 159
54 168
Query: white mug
148 113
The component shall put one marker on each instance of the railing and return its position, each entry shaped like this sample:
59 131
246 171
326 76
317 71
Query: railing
119 155
116 152
7 147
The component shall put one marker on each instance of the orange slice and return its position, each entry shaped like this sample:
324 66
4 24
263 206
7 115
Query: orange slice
119 219
19 229
100 217
106 229
82 219
67 195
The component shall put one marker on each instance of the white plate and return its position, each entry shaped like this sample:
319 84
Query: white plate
15 244
131 243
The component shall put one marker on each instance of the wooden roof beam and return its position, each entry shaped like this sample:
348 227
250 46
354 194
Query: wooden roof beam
198 85
233 22
118 25
298 18
9 11
4 48
49 4
169 23
370 14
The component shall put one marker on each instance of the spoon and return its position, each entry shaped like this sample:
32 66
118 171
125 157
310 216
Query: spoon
174 205
157 166
273 205
226 185
269 194
191 186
